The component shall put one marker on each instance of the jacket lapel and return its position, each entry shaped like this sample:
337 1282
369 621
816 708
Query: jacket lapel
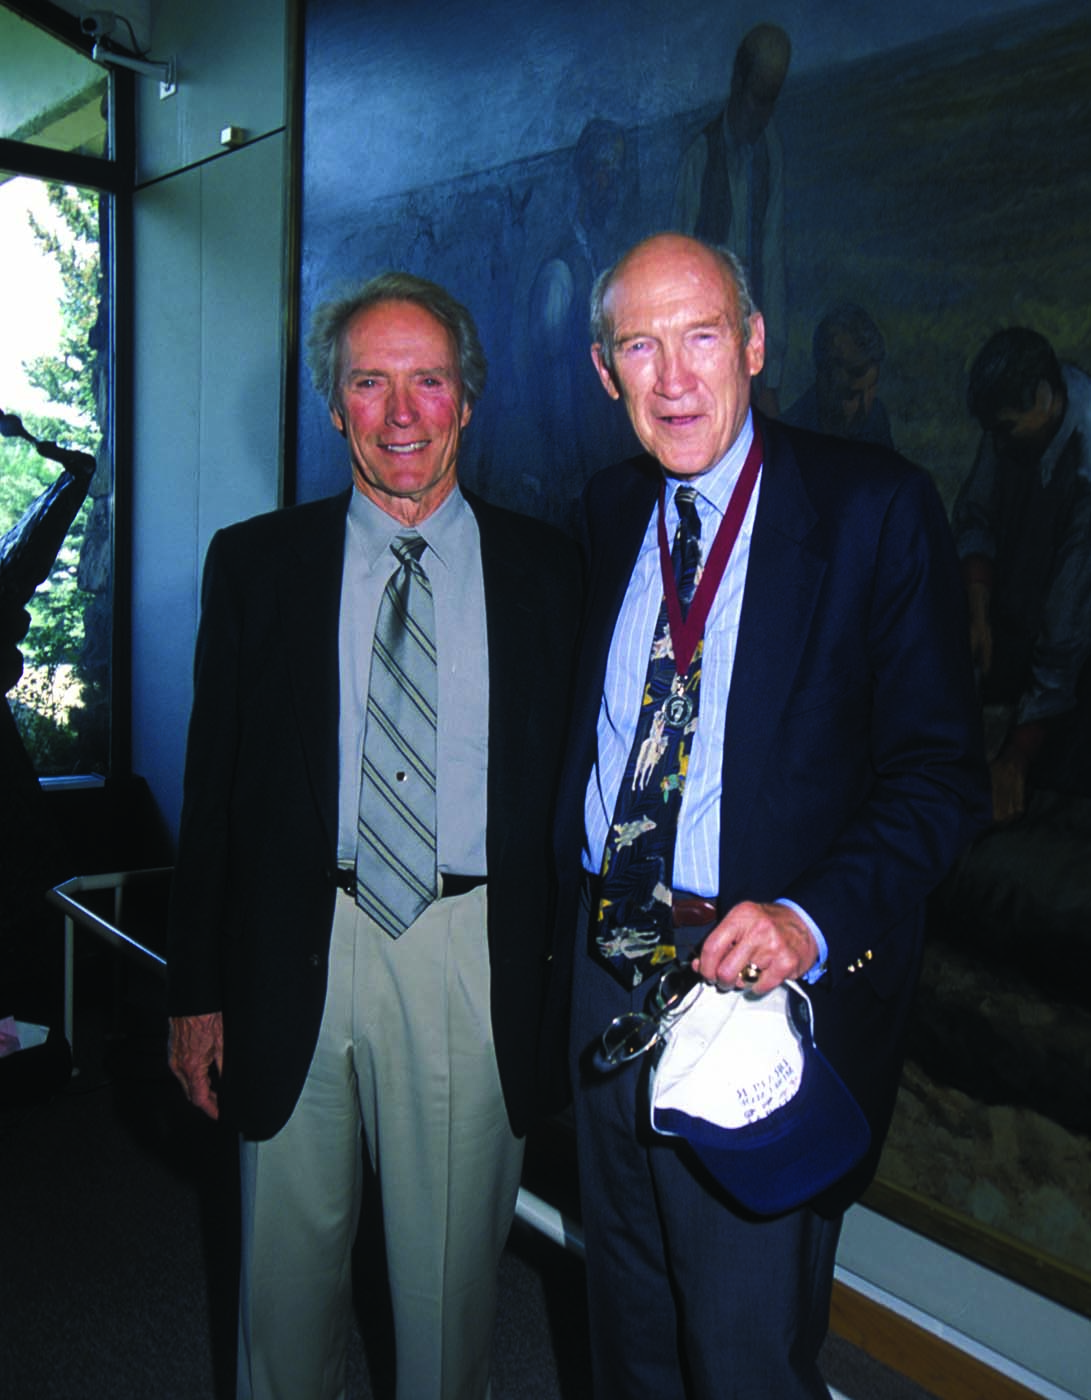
619 503
309 606
782 585
619 522
512 621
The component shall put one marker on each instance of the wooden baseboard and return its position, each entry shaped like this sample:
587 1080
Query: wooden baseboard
941 1368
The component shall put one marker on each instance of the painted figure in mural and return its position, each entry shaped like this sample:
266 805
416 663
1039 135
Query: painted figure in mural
575 430
1022 525
848 352
359 923
823 741
730 188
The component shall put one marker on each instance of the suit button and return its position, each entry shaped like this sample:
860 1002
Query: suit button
314 960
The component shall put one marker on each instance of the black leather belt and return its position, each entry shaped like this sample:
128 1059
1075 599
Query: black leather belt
460 884
345 879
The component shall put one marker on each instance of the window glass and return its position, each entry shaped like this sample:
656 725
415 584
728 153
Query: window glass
51 94
55 476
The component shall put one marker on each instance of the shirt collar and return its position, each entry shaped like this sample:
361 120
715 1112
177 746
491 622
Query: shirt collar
1076 411
373 531
716 485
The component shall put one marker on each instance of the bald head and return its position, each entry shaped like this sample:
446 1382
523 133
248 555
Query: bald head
679 347
681 251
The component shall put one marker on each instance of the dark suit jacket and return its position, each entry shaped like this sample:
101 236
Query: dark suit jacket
853 772
253 894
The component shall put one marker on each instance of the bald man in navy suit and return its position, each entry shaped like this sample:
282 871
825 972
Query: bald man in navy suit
834 775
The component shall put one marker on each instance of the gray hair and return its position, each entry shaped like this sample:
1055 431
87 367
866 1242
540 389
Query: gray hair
602 330
331 320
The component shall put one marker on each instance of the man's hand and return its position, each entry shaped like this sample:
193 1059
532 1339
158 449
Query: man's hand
772 937
196 1044
981 635
1009 781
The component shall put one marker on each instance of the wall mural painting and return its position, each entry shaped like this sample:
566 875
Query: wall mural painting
902 196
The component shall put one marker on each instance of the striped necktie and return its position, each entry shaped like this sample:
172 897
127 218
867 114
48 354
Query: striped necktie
396 833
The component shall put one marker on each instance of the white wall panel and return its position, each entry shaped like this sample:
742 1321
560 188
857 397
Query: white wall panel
230 65
209 302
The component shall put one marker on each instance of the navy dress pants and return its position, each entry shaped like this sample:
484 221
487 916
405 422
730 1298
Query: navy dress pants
690 1297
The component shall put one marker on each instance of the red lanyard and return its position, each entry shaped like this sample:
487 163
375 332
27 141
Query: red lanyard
686 634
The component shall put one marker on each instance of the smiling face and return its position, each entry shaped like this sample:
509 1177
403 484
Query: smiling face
400 408
680 364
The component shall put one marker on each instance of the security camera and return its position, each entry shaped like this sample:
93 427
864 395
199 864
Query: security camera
100 24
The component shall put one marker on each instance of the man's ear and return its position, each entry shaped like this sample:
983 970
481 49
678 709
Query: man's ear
605 374
337 418
755 345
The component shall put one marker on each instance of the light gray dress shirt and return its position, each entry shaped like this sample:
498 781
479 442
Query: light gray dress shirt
452 562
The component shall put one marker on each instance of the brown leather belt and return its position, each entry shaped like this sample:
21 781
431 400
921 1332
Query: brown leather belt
687 910
345 879
690 910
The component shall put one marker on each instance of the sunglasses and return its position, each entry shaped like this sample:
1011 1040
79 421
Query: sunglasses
634 1032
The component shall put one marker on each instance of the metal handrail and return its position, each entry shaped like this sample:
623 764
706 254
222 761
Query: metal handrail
547 1220
75 913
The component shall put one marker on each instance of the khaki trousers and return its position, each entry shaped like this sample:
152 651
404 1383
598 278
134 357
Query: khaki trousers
405 1054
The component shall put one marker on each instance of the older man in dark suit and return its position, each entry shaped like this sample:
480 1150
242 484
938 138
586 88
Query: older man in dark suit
358 931
823 773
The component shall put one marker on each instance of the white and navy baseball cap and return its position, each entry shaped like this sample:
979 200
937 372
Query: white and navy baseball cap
741 1079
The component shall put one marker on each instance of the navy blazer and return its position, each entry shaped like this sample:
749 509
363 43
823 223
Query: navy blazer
253 892
853 772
